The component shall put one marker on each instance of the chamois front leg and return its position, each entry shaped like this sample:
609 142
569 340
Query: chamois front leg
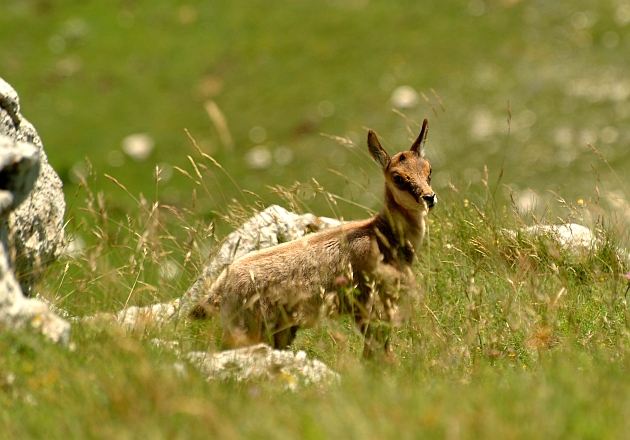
375 329
282 339
375 336
236 334
380 310
243 325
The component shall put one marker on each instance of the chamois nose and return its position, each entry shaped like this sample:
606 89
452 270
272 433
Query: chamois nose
431 200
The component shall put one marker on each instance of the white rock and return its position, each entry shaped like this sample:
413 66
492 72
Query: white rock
134 318
261 362
569 235
36 223
32 206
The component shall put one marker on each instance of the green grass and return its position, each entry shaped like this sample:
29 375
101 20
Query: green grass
90 73
506 336
565 396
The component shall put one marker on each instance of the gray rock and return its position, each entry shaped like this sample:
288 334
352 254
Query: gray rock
33 231
261 362
134 318
19 166
19 313
31 221
573 237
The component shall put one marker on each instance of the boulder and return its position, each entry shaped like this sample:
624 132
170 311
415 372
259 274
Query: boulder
19 166
257 363
34 229
32 207
261 362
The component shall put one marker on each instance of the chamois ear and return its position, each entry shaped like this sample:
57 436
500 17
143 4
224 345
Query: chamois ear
380 156
418 145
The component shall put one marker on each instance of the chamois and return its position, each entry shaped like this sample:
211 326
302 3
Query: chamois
356 268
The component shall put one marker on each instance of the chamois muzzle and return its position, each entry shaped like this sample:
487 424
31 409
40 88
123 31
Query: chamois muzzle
431 200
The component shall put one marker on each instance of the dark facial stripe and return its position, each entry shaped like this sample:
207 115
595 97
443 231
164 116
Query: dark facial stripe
409 188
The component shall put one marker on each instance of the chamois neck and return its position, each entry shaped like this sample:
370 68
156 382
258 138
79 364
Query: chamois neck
402 228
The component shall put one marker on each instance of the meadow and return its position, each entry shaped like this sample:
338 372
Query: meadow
507 335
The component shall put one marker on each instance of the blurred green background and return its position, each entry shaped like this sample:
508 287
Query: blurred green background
281 72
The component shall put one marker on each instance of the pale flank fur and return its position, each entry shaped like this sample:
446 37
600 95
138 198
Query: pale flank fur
357 268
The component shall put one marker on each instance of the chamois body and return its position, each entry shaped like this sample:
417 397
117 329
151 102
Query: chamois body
356 268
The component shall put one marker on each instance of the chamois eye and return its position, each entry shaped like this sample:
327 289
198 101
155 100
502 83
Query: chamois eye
398 180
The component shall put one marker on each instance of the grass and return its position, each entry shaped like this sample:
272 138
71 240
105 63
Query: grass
507 335
90 74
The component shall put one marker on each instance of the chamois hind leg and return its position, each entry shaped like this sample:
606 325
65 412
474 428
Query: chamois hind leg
364 327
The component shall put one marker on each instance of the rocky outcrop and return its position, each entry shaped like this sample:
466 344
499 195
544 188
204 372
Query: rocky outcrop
31 221
34 229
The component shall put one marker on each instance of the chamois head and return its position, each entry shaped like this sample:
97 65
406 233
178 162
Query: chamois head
407 174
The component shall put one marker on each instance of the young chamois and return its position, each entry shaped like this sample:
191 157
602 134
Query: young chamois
356 268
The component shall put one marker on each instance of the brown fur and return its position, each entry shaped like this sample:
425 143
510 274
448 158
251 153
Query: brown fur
356 268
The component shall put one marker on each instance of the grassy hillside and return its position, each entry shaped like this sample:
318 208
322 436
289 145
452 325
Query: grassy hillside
281 72
507 335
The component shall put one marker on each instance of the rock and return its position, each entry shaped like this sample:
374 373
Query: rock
19 313
136 318
570 235
261 362
33 231
255 363
19 166
573 237
31 221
